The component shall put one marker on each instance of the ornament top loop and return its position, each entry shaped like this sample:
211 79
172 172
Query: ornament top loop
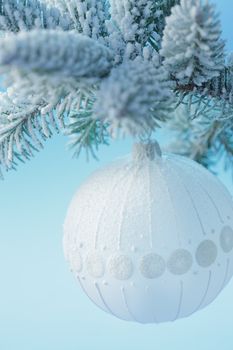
143 151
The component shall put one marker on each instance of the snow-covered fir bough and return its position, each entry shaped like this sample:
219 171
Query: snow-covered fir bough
89 68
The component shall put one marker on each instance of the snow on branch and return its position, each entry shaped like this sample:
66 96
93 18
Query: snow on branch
22 130
215 96
28 14
192 137
141 20
30 111
161 9
131 17
54 52
204 139
92 67
135 97
192 47
86 132
88 16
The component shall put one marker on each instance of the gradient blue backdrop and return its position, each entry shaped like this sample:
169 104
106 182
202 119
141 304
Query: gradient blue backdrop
41 304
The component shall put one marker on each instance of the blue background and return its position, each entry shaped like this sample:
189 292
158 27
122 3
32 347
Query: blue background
41 304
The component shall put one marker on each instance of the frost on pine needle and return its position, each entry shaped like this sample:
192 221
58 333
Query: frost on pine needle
88 16
162 9
188 142
115 42
132 17
214 98
91 67
191 46
84 131
201 139
56 52
141 21
31 110
28 14
134 97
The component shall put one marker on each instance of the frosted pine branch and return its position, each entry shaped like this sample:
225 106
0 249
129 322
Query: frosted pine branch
134 97
88 69
115 42
161 9
30 110
64 54
203 139
132 17
140 21
88 16
214 96
28 14
220 87
191 137
85 132
21 132
192 48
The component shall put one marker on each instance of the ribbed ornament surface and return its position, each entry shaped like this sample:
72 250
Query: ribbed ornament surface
151 238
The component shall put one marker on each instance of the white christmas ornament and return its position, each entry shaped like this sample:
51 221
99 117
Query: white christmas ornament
150 238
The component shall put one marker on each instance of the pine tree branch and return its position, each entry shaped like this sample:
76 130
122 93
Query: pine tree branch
160 11
204 139
132 17
85 132
110 77
48 91
28 14
195 138
140 20
56 53
88 16
192 47
135 96
21 131
29 112
217 94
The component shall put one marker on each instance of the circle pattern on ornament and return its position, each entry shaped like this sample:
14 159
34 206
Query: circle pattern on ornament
180 262
120 267
226 239
95 266
152 266
206 253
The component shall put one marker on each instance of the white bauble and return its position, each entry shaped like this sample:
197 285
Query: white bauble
150 238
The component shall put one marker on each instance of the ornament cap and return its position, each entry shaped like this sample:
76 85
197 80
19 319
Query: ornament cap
143 151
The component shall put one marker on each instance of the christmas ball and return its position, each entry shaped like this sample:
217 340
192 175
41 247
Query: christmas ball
150 237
